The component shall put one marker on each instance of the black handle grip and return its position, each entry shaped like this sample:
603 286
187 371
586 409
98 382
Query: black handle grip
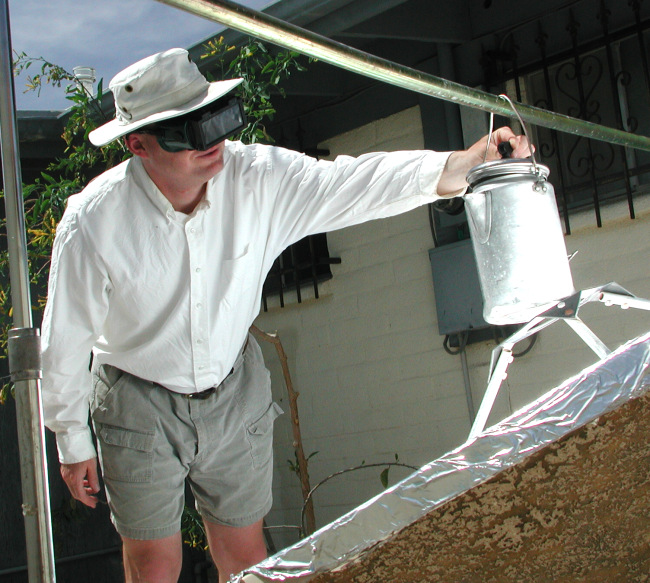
505 149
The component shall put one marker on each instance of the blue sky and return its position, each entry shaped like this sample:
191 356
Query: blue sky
105 34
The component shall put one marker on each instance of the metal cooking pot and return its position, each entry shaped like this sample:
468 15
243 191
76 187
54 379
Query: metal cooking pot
518 240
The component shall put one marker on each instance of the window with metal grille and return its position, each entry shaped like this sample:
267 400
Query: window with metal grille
602 77
301 266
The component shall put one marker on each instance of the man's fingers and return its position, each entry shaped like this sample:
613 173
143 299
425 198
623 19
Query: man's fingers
517 143
521 147
92 477
82 480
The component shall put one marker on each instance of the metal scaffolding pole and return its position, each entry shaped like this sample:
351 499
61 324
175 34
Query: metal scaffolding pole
24 340
308 43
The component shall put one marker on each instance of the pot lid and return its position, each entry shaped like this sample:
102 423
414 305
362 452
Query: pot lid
507 167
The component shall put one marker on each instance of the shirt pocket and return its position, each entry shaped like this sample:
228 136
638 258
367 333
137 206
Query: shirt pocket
236 276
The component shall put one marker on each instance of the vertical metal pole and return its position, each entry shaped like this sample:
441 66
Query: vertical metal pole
24 345
452 113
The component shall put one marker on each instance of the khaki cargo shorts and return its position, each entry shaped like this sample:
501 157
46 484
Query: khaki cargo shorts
151 440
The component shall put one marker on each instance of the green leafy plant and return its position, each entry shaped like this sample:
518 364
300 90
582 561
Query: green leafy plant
193 530
383 477
263 73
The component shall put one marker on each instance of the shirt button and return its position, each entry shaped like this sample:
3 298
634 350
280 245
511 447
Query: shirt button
199 306
199 341
198 270
192 230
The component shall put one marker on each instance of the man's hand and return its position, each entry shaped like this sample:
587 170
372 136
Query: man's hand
82 480
461 162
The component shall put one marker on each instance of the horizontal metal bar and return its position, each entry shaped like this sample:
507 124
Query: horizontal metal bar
308 43
624 301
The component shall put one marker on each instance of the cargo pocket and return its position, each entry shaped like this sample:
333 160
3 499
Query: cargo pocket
260 435
127 455
125 425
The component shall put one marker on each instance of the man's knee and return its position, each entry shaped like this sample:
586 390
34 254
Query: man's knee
247 555
149 561
235 549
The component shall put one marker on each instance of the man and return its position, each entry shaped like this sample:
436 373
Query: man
157 270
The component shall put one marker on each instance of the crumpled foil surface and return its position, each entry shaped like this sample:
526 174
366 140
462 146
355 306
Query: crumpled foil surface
598 389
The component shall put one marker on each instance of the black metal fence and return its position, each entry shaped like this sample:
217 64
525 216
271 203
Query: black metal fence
603 78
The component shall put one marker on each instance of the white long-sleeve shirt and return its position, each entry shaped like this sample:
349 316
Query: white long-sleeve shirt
170 297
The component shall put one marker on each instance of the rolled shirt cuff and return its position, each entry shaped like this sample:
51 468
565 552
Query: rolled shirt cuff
75 447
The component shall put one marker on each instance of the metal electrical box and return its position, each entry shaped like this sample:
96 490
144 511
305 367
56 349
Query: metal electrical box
459 302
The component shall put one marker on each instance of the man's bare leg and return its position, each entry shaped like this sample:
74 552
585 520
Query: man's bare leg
233 549
153 561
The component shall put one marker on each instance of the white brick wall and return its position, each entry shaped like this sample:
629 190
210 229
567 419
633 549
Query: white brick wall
368 361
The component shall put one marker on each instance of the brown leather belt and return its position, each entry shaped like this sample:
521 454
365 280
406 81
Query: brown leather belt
201 395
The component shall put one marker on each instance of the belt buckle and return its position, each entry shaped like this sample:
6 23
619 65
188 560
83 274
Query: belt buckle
201 395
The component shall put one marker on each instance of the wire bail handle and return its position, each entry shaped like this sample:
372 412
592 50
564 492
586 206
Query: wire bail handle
536 170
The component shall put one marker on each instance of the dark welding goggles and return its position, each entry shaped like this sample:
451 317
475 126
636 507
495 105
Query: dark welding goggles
200 129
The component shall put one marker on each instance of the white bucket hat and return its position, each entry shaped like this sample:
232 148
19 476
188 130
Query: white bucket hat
159 87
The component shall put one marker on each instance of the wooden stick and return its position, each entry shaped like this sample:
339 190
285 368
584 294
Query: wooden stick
295 424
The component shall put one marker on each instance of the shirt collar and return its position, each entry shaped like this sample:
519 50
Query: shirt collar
150 189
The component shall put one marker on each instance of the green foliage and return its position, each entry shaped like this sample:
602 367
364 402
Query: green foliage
193 530
383 477
49 74
262 72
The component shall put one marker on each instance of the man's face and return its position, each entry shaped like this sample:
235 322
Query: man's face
190 165
180 176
